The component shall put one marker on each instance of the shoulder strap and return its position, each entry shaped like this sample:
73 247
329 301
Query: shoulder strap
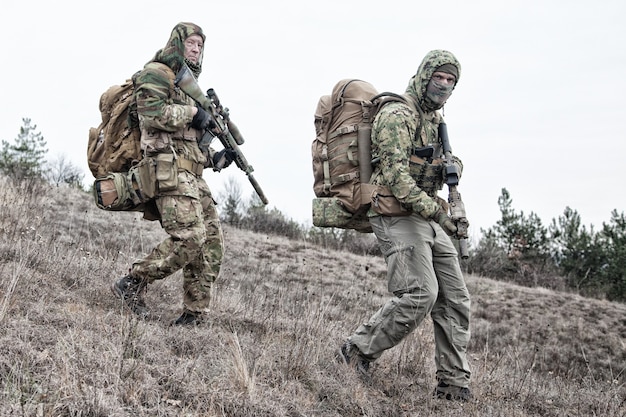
415 108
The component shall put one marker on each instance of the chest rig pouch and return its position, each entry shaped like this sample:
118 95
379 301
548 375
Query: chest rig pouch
426 168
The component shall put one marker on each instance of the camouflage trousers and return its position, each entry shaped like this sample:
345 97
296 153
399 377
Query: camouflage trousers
424 276
195 242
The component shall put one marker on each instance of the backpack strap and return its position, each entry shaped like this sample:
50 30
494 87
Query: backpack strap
419 112
343 131
340 179
325 168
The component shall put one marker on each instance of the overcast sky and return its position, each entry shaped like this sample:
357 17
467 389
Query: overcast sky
539 109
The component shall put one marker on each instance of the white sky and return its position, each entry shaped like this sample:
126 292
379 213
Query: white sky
539 109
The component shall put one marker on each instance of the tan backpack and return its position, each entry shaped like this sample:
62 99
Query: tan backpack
341 151
123 179
114 145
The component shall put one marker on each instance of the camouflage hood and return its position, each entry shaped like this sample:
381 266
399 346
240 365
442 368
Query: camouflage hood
173 55
418 83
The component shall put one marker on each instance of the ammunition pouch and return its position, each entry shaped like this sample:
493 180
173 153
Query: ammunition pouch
194 167
427 175
166 172
155 141
141 179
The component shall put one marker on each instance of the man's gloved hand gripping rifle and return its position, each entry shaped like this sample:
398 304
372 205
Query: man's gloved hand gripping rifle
457 208
221 126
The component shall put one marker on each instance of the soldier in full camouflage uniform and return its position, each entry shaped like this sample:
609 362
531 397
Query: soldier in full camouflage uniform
171 125
423 268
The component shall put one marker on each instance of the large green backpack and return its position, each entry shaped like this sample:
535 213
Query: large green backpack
342 160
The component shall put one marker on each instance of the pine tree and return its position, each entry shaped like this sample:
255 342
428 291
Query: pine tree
25 157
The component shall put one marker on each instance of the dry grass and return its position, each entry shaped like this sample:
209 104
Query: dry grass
281 309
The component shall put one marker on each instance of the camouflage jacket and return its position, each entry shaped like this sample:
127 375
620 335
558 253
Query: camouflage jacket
413 181
163 110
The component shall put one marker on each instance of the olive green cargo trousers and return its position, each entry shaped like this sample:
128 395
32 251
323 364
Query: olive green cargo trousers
425 278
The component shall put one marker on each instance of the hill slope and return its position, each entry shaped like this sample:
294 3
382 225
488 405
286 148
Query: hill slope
280 310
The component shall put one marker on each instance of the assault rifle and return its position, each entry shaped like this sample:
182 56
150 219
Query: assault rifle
224 128
457 208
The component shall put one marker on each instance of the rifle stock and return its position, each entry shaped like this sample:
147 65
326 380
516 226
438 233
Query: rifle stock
457 208
225 130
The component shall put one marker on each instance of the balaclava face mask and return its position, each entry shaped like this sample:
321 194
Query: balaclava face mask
431 96
437 93
173 55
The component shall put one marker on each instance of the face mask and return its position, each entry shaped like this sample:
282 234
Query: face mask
438 93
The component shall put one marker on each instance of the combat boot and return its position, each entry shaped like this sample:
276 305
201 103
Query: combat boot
452 392
131 290
189 318
352 356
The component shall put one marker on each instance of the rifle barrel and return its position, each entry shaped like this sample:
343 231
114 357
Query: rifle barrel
258 189
457 208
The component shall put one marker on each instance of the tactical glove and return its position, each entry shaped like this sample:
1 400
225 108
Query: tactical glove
202 120
223 158
445 222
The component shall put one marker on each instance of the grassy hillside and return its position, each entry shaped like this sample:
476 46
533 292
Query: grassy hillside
281 309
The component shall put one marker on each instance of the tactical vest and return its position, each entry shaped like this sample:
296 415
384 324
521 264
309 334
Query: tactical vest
184 142
425 168
428 175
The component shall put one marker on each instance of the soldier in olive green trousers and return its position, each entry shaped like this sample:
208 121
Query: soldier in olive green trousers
423 273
